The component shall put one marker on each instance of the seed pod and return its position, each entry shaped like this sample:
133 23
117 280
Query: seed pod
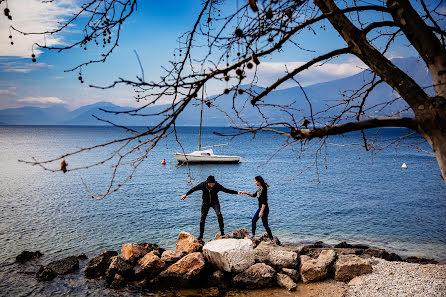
80 77
239 72
249 65
240 91
226 91
239 33
33 56
226 78
10 36
34 60
269 14
63 166
6 11
255 59
253 5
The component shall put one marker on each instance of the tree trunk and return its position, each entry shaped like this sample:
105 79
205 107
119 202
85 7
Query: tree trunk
431 119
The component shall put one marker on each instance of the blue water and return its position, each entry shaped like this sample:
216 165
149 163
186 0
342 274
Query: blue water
360 198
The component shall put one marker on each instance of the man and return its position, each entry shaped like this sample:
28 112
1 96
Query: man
210 190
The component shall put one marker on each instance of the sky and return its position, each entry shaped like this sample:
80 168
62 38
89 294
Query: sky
152 31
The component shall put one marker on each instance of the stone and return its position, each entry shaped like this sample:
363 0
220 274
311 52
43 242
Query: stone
118 282
419 260
171 256
217 278
27 255
349 266
293 273
152 247
45 274
118 266
151 264
286 282
188 243
240 233
82 257
65 265
98 265
230 255
357 281
257 276
265 238
132 252
276 256
317 269
188 268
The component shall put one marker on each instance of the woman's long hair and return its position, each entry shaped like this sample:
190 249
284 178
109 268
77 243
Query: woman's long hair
262 182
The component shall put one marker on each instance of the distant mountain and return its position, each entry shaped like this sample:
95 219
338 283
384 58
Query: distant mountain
321 95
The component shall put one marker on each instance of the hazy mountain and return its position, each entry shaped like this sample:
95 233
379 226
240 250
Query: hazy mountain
321 95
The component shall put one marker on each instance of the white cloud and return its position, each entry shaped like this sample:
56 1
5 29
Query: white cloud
41 100
32 16
9 91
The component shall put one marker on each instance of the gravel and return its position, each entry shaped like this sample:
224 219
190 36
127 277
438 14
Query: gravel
400 279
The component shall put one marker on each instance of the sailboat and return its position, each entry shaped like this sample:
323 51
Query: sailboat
205 154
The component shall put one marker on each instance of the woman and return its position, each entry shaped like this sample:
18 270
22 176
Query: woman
263 211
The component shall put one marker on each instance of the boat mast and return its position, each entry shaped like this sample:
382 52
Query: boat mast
201 118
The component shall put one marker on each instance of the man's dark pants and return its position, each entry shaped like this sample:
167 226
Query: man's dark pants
204 212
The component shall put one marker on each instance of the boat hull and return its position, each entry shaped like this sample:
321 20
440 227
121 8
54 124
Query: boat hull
215 159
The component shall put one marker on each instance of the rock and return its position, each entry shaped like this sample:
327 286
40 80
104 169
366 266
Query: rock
286 282
151 247
132 252
357 281
265 238
345 245
27 255
257 276
218 236
45 274
230 255
240 233
419 260
82 257
65 265
118 266
317 269
349 266
294 274
170 256
188 243
118 282
151 264
188 268
217 278
276 256
382 253
98 265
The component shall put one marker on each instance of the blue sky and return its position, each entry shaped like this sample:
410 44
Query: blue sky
152 31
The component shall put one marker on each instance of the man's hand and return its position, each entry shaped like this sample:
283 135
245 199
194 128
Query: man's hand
183 197
241 192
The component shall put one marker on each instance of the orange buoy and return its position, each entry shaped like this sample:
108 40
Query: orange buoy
163 162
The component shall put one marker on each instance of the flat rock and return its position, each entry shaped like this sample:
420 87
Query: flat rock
349 266
188 243
276 256
171 256
27 256
65 265
286 282
230 255
257 276
118 266
382 253
293 273
357 281
98 265
132 252
317 269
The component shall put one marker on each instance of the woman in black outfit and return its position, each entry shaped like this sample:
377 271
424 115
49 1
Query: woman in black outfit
263 210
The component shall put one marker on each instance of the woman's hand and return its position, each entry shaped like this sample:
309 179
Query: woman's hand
183 197
260 214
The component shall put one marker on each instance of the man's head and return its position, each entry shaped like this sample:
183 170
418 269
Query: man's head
211 181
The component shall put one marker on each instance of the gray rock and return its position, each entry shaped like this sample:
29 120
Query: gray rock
65 265
240 233
276 256
382 253
257 276
317 269
230 255
98 265
286 282
45 274
118 266
349 266
27 255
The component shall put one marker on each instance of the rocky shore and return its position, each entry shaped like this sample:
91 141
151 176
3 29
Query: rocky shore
236 262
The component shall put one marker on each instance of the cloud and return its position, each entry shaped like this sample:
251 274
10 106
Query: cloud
32 16
22 66
9 91
41 100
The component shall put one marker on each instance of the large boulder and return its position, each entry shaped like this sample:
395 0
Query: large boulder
240 233
98 265
349 266
118 266
276 256
188 243
286 282
152 247
230 255
132 252
188 268
65 265
27 255
149 265
171 256
317 269
257 276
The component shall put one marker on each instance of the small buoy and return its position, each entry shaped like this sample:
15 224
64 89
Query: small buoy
163 162
404 166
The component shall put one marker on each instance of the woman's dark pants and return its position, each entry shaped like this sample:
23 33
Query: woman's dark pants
255 218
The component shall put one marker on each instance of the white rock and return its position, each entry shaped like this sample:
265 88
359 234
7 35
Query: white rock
231 255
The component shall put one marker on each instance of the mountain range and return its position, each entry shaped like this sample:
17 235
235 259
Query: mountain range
294 98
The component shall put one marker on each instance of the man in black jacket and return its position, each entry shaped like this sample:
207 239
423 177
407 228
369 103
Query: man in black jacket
210 190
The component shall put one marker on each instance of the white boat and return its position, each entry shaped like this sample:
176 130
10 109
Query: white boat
205 156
